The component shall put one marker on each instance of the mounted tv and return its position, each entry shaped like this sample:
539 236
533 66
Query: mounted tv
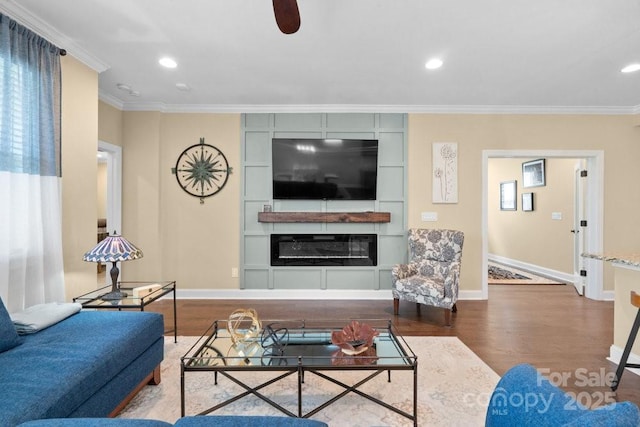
328 169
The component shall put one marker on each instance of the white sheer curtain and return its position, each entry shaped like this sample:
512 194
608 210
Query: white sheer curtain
31 267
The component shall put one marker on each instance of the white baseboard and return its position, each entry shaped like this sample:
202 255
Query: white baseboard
285 294
300 294
547 272
615 354
608 295
535 269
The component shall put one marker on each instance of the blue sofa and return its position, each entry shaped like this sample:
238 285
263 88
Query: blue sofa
194 421
83 366
523 397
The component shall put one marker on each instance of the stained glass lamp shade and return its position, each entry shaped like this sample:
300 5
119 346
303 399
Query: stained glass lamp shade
112 249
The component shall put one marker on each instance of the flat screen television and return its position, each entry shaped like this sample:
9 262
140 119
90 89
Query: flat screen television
329 169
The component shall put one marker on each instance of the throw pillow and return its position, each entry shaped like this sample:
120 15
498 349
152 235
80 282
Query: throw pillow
8 335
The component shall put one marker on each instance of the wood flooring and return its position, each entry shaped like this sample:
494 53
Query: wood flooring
550 327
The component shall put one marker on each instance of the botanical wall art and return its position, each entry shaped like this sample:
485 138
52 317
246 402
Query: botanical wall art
445 172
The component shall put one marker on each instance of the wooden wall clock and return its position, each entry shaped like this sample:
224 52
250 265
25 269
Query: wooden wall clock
202 170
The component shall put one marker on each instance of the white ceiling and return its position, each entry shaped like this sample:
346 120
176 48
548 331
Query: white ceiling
353 55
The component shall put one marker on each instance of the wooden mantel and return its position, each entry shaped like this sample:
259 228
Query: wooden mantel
324 217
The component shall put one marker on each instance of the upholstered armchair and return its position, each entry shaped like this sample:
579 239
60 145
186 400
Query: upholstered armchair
432 274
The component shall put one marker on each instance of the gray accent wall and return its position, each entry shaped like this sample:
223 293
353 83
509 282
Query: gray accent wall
257 131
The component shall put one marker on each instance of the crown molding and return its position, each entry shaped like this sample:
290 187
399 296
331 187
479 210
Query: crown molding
12 9
352 108
111 100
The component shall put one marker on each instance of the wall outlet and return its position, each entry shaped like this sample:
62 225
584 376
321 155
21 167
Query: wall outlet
234 272
556 215
429 216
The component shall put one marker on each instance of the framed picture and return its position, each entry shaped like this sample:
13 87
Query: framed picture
527 202
508 196
533 173
445 172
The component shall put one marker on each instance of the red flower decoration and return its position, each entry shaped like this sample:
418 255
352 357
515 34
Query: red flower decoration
354 338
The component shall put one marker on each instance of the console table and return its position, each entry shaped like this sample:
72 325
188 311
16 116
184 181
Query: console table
139 295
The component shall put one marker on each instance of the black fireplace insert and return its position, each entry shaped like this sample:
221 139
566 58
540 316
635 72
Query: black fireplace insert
324 249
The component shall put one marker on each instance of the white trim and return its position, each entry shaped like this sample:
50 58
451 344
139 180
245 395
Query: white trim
370 108
535 269
615 354
594 209
114 185
111 100
300 294
21 15
283 294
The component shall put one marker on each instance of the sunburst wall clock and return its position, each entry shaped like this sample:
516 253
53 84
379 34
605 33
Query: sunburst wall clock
202 170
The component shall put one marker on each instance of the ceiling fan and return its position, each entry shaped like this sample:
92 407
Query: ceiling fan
287 15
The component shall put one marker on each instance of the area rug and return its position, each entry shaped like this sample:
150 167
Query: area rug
454 386
499 274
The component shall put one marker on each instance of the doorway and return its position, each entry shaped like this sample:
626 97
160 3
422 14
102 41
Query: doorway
593 213
109 159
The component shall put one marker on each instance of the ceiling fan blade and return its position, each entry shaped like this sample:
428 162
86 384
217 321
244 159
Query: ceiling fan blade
287 15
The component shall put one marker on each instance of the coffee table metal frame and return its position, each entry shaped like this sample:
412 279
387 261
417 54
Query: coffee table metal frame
94 299
309 350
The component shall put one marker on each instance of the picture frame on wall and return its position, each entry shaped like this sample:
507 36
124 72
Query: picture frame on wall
533 173
527 202
445 172
508 192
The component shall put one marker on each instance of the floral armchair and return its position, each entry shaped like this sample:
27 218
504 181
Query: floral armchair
432 274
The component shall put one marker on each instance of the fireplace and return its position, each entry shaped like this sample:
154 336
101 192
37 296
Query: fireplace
324 250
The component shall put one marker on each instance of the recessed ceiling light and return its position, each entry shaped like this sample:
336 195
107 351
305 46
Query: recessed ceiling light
168 62
433 64
631 68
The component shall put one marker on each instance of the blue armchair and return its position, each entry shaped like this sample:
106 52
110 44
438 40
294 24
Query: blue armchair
523 398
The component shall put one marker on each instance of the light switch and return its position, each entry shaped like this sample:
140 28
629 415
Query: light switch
429 216
556 215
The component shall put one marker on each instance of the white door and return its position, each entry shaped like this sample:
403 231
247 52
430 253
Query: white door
579 231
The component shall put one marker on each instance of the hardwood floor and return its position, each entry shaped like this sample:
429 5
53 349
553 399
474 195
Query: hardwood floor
550 327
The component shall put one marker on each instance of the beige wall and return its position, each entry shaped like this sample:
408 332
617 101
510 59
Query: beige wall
110 124
520 235
616 135
197 245
79 169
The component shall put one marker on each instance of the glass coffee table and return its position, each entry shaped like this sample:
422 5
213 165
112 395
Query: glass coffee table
296 347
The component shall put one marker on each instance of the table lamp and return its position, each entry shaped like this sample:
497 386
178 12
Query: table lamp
112 249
